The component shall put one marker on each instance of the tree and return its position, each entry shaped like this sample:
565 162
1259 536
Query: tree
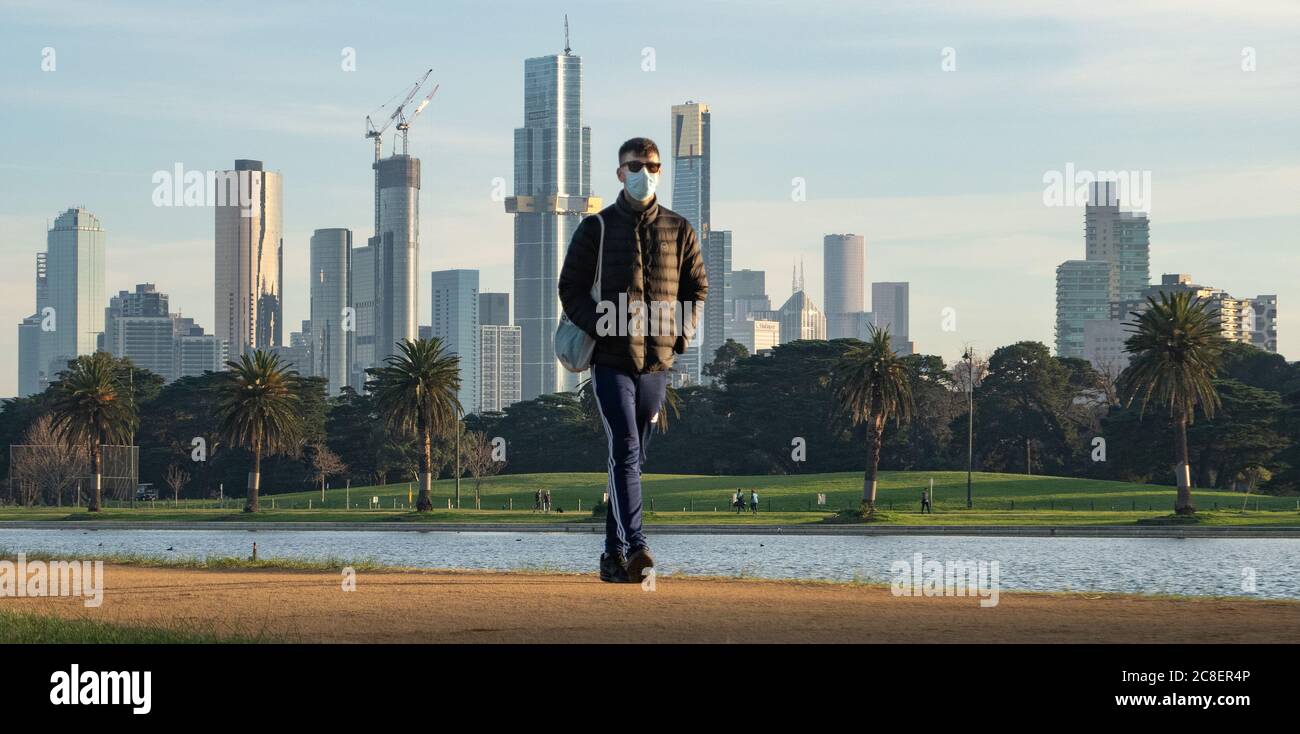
258 410
1023 411
177 479
324 464
873 386
415 391
1175 346
90 407
724 359
46 465
479 461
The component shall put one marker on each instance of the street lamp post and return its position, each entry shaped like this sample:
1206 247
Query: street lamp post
970 423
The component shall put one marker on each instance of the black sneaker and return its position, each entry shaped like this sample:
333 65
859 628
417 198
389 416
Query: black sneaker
613 569
639 560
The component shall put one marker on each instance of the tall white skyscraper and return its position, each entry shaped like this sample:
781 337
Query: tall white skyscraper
331 333
248 302
455 322
552 191
72 305
844 263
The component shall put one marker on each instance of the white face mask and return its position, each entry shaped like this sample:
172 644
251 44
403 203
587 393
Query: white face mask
641 184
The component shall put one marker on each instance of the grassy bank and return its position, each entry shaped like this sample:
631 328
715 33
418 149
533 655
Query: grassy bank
25 628
1000 499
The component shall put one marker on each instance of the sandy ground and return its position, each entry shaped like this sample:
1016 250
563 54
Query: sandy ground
449 607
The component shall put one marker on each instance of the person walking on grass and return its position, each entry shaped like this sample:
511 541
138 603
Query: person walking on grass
926 506
753 501
650 260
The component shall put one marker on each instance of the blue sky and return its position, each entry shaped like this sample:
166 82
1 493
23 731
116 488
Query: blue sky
941 171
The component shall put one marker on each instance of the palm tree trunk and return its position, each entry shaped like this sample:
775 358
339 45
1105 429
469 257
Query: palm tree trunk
97 471
425 502
254 479
1183 504
875 430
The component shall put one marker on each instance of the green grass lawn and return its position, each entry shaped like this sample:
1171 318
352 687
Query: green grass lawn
27 628
689 499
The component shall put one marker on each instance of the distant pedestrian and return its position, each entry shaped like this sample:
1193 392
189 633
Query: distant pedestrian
546 501
753 501
737 502
537 500
925 503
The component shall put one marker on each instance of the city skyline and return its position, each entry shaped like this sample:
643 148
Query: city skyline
979 221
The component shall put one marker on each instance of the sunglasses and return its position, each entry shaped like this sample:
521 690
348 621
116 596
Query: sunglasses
635 166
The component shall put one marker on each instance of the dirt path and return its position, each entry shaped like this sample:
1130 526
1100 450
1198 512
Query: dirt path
442 606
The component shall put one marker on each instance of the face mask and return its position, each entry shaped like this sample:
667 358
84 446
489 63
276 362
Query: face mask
641 184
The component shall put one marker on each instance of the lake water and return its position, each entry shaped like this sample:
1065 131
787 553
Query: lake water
1210 566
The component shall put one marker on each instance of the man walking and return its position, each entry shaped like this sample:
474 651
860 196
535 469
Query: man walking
651 259
753 501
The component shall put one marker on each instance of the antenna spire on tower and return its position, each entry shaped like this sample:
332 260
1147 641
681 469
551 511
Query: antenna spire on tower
566 34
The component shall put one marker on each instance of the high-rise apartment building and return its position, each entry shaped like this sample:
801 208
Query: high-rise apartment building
1083 289
139 326
1119 238
500 382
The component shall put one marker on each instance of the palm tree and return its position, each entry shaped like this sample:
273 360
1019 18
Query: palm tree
416 392
91 407
258 410
873 385
1175 345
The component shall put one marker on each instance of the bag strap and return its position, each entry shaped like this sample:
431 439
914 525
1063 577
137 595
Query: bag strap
600 257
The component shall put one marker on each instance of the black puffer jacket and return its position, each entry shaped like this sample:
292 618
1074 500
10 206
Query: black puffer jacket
653 257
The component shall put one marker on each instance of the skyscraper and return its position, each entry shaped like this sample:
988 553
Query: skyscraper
552 191
249 294
890 310
692 124
196 352
395 254
73 290
31 377
499 379
718 308
692 149
1083 289
494 309
362 284
455 322
1120 239
844 267
749 293
331 334
138 326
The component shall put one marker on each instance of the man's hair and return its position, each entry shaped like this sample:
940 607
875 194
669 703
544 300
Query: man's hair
642 147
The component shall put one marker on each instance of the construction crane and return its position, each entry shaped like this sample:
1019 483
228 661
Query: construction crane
404 123
398 115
